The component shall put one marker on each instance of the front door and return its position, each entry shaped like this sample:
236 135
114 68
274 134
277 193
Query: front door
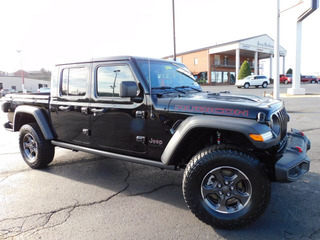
117 124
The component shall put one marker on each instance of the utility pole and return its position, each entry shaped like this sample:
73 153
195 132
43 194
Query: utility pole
276 87
174 33
22 75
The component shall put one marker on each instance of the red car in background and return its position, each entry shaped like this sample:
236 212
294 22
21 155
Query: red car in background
309 79
286 78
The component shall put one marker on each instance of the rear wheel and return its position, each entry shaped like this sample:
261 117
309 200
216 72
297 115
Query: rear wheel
285 81
35 150
246 85
313 81
226 188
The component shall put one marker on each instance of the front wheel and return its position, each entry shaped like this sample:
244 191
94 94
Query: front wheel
36 151
226 188
246 85
264 85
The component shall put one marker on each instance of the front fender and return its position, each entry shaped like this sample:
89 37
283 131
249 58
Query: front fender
40 117
239 125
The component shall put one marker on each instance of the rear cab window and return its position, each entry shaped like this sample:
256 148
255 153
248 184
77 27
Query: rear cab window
74 81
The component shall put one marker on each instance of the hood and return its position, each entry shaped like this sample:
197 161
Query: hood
223 103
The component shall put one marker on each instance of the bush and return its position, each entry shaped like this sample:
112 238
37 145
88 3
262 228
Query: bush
289 71
245 70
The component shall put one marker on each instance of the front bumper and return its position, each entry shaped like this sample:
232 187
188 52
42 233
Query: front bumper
294 161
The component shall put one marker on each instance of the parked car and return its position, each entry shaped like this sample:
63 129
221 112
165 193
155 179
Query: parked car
309 79
253 80
5 91
286 78
44 90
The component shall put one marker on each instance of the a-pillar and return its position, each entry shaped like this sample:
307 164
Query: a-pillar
237 63
256 60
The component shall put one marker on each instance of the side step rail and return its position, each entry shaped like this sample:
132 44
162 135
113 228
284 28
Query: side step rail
142 161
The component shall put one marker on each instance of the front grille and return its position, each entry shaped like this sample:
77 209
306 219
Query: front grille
283 118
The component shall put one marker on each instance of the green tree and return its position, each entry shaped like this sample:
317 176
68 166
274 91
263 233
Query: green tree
245 70
289 71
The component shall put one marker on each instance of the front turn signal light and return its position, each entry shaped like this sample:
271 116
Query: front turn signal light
261 137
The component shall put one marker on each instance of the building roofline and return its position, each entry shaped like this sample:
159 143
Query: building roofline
218 45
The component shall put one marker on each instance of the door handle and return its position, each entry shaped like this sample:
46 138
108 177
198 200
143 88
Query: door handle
97 111
64 108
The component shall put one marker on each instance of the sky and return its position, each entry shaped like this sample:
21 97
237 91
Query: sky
49 32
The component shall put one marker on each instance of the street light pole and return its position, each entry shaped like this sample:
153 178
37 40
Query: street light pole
22 75
276 87
174 33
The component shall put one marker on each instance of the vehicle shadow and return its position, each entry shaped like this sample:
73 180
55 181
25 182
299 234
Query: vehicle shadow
293 212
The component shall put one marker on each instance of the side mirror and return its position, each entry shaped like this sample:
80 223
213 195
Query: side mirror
128 89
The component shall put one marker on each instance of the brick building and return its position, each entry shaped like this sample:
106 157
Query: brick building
220 64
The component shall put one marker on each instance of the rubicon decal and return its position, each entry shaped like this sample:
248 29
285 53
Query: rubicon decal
221 111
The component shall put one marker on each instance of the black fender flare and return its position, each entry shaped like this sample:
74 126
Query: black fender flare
40 117
239 125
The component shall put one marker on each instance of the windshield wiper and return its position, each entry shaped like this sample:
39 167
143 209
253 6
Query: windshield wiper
198 90
167 88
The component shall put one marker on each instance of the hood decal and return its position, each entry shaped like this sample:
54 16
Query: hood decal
212 110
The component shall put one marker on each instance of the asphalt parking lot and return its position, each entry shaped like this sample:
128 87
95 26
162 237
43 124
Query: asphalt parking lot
83 196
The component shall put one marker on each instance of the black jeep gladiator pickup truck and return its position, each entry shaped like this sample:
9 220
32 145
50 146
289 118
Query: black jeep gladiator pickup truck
153 112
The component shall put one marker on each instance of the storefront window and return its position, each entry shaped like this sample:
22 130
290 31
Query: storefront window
225 77
216 77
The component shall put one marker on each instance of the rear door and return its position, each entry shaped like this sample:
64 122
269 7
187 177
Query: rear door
117 124
70 104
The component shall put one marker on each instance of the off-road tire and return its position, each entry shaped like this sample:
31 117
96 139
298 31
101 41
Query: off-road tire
218 158
36 151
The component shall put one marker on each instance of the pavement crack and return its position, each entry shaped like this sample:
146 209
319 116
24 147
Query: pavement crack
313 235
3 179
31 224
309 129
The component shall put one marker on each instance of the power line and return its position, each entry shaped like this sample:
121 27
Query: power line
300 2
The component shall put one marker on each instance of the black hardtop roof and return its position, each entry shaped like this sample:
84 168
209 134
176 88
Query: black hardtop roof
114 59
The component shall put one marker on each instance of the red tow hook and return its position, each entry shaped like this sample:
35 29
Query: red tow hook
298 148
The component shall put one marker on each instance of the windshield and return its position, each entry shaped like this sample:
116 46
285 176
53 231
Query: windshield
167 75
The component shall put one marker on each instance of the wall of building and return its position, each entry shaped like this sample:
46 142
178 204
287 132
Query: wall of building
31 85
196 62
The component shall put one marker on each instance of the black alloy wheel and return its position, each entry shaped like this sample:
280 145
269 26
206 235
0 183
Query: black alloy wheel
36 151
225 187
